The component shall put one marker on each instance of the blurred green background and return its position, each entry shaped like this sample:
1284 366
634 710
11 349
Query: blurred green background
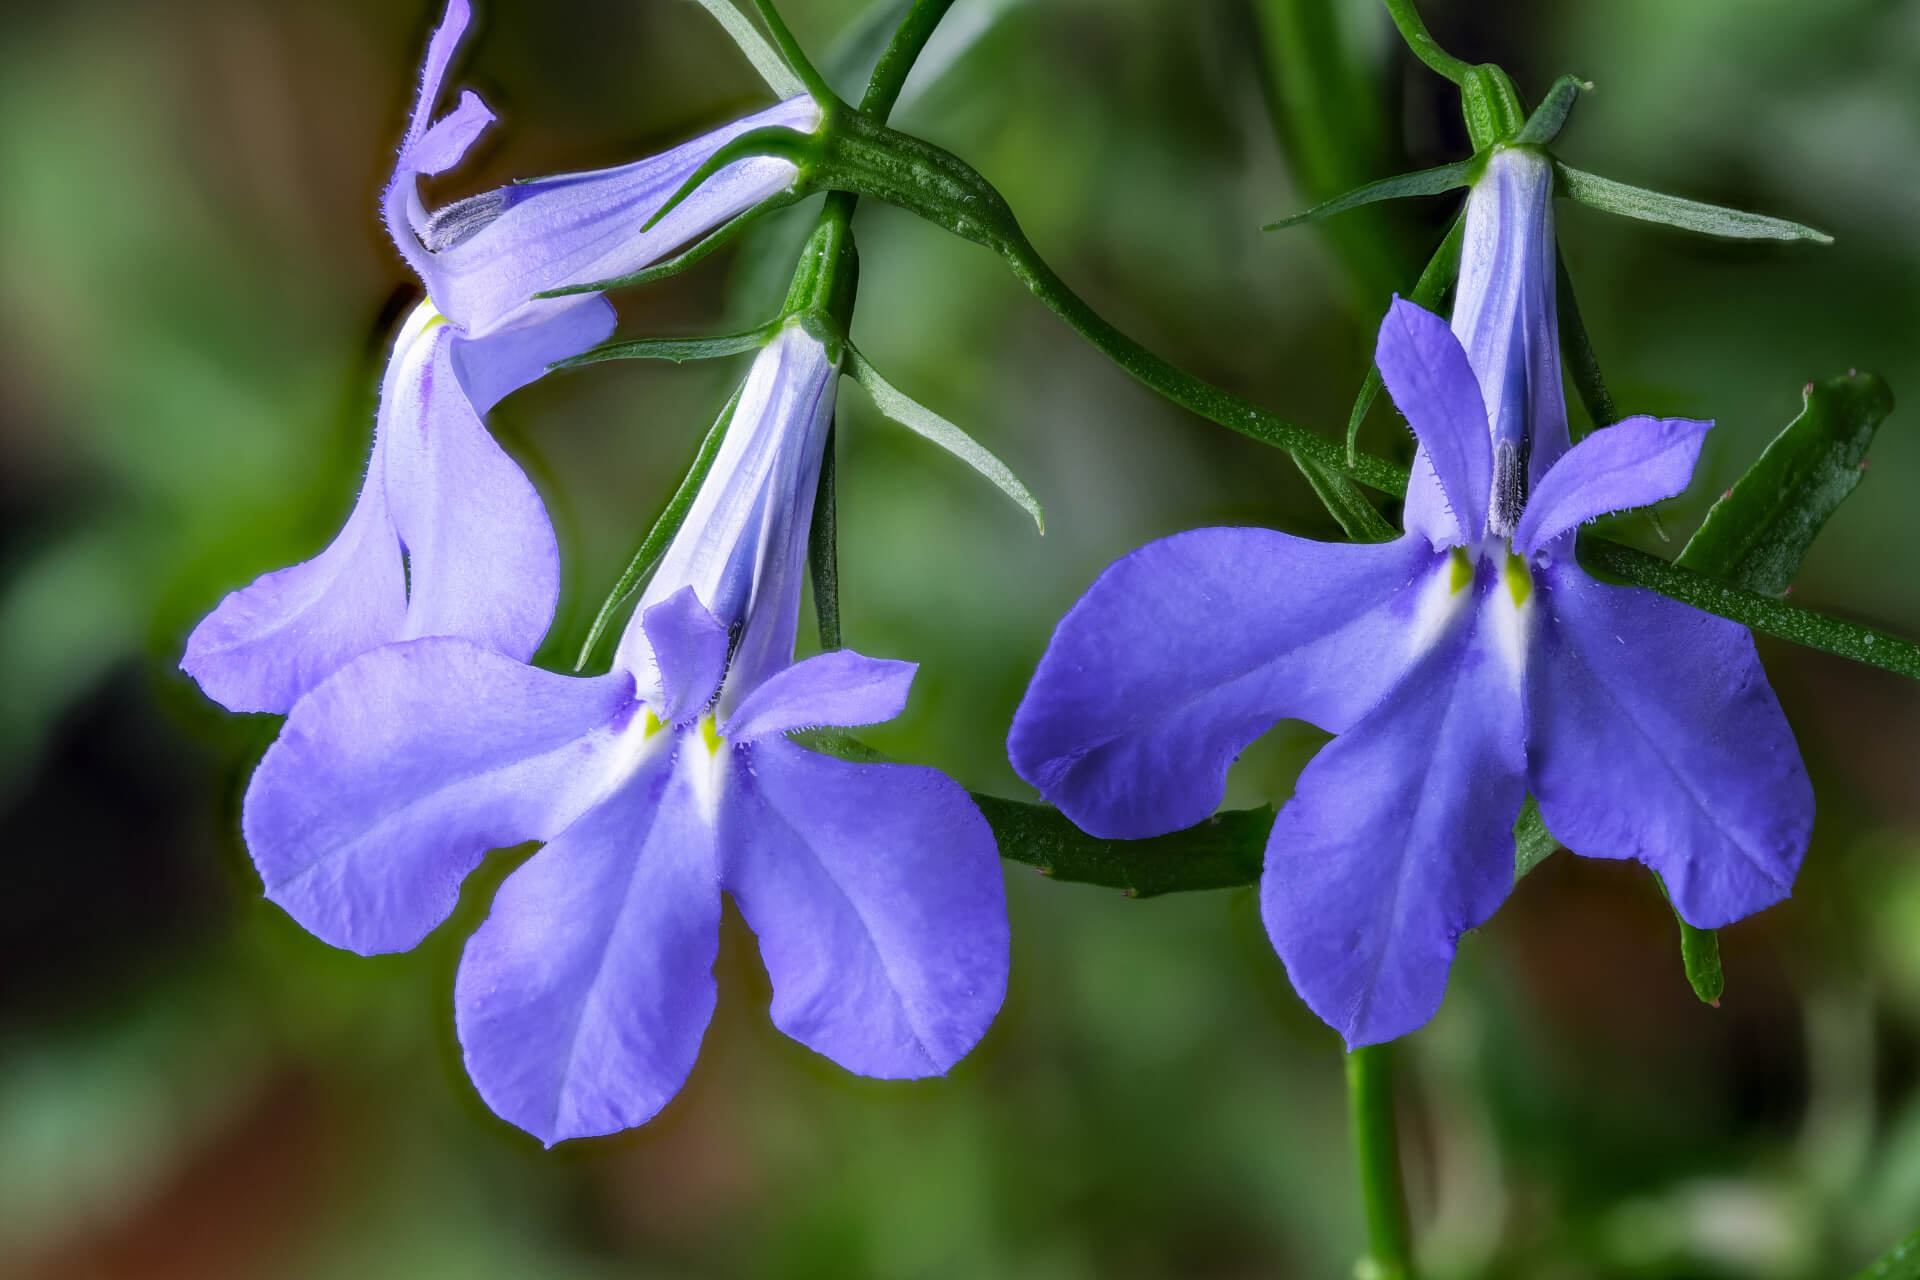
195 300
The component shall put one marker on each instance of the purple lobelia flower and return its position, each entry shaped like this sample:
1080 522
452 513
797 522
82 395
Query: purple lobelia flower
1462 665
448 536
874 888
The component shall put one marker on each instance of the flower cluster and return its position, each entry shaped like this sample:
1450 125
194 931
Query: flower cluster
418 738
1461 666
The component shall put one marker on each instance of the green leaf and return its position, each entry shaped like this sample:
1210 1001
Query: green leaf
660 535
1752 609
1689 215
1342 498
1902 1262
765 59
1576 351
1223 852
1544 125
1700 955
678 350
1429 291
916 417
1427 182
823 548
1759 532
1532 844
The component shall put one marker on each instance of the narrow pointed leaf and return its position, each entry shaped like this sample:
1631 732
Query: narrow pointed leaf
1758 534
1427 182
1902 1262
660 535
823 550
1532 844
1429 291
1544 125
773 140
1576 352
678 350
916 417
1689 215
1224 852
1360 519
764 57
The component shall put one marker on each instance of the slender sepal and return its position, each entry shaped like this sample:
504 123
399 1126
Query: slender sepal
1427 182
1689 215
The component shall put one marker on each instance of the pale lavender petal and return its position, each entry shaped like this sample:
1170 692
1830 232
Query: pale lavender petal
1188 649
841 688
392 780
1399 837
743 547
268 643
1634 463
689 650
582 1000
1654 735
492 368
875 890
1504 312
427 148
1434 388
582 228
481 557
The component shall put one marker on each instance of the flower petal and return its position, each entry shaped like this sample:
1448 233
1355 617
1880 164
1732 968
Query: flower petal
492 368
743 544
1398 838
583 228
582 999
481 557
1634 463
391 780
1504 311
1654 735
689 650
268 643
1433 386
875 890
429 148
839 688
1188 649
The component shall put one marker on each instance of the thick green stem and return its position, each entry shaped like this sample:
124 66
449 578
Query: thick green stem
1376 1150
909 40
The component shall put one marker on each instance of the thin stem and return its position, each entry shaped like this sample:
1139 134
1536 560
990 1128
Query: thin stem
1187 391
1376 1150
1413 29
909 40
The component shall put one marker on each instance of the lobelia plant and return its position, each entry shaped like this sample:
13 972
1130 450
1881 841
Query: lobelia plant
448 537
1461 663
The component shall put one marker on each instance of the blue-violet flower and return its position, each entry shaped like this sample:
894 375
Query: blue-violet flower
874 888
448 536
1460 666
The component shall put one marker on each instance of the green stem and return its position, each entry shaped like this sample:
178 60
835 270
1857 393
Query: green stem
1181 387
883 91
1376 1150
1413 29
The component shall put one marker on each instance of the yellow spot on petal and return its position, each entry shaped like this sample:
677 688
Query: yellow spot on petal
1462 572
710 734
652 726
1519 580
